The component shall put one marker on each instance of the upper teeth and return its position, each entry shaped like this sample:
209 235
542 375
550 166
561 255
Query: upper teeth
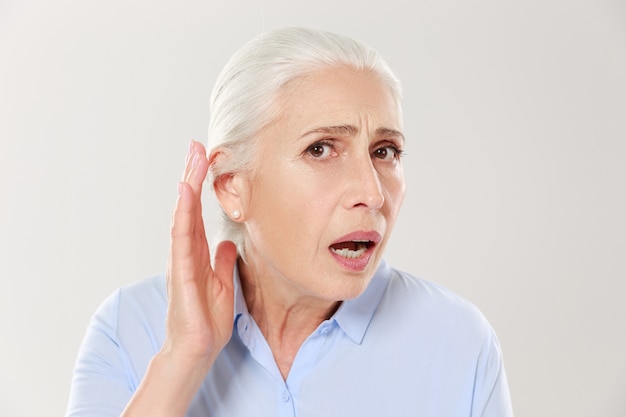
347 253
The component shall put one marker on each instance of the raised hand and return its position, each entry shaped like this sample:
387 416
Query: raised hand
200 314
200 304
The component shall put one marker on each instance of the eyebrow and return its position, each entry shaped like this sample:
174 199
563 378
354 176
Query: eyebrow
349 130
383 131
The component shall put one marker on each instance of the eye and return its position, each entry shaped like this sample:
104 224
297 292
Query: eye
320 150
387 153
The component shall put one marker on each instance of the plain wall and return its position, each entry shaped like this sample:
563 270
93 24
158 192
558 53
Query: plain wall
515 113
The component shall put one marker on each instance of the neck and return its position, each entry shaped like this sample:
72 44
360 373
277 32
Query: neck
284 313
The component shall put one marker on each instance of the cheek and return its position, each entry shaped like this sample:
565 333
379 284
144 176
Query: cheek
287 199
308 188
395 188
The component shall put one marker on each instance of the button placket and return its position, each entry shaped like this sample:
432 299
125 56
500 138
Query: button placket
286 406
286 396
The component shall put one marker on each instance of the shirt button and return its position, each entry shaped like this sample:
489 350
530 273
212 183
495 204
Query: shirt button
286 396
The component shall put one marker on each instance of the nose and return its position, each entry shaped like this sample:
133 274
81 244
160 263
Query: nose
363 186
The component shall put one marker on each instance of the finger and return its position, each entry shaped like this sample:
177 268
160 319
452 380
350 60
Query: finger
221 286
188 239
188 204
197 176
224 263
196 169
188 159
195 147
197 165
182 231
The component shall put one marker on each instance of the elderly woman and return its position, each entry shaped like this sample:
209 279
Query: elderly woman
295 314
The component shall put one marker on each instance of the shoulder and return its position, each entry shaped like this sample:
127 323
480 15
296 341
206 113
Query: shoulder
418 292
134 315
424 306
147 297
123 335
443 340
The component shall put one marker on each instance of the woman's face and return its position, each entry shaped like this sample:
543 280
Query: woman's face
327 185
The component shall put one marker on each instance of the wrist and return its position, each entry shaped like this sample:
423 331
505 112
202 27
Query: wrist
168 387
185 370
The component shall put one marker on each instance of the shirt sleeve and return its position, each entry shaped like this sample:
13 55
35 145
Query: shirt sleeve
491 390
103 380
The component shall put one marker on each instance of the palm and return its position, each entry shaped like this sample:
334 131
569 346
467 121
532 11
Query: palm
200 313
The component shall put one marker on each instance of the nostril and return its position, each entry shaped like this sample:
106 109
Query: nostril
372 201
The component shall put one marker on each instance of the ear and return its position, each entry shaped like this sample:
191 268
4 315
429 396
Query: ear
230 189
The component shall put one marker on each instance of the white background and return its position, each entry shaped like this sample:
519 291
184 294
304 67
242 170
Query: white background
516 117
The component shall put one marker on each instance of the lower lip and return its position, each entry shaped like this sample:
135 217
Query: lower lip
353 264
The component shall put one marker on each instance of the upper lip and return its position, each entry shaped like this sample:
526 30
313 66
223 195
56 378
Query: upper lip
360 236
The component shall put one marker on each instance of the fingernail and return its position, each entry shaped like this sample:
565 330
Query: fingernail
194 161
189 150
180 188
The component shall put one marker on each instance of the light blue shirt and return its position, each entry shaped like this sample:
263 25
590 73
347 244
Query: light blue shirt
405 347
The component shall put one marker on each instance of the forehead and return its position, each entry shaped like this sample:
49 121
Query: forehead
339 96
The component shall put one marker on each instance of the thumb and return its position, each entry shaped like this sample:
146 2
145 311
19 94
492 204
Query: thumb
224 264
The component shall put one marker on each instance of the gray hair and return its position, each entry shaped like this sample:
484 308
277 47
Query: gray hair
243 97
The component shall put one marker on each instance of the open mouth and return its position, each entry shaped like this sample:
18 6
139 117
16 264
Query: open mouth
352 249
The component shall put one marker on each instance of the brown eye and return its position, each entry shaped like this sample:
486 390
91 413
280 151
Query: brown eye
387 153
320 150
381 153
317 151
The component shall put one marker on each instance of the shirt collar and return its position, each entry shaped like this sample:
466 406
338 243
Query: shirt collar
353 316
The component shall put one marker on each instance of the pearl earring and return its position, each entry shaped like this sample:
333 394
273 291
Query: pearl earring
236 214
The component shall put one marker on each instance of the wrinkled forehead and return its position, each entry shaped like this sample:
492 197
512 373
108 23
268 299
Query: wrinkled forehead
337 91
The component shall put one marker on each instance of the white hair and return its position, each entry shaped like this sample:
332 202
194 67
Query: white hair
243 97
